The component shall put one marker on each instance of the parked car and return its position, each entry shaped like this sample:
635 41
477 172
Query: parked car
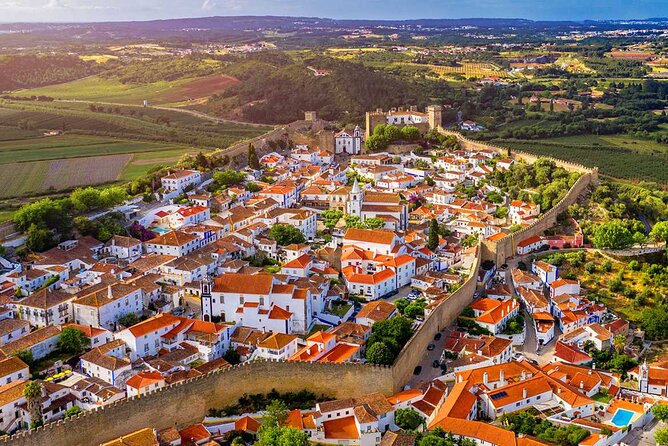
417 370
430 347
437 336
436 364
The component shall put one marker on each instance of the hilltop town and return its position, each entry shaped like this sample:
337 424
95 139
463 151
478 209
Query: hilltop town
427 254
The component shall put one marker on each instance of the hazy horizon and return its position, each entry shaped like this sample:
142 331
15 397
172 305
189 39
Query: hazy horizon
64 11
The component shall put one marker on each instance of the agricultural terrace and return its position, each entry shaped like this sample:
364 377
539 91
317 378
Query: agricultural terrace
617 156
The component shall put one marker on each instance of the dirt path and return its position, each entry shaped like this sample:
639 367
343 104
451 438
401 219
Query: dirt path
195 113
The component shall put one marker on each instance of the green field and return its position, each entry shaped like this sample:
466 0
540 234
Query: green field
99 89
181 128
73 146
145 161
617 156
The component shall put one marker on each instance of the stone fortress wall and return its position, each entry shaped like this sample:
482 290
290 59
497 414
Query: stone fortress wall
188 401
502 249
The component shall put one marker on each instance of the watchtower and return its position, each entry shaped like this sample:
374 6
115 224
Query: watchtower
435 116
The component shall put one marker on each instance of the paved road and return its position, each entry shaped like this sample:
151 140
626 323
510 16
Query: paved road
643 436
528 349
429 372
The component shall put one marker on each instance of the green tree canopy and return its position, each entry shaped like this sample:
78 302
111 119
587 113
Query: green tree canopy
612 235
73 341
379 353
433 240
285 234
660 231
408 419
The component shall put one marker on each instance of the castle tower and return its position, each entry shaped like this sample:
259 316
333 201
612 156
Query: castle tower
644 377
374 119
435 116
206 298
355 198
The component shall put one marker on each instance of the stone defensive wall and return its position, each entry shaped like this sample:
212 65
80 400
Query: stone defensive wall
188 401
502 249
440 317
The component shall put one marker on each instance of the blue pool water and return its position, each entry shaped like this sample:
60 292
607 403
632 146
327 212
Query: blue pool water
622 418
160 230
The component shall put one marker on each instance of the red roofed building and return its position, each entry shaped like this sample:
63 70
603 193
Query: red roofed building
144 382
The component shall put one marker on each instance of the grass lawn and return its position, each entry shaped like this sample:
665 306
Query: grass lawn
340 309
602 397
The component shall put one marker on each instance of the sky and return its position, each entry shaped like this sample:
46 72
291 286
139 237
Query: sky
122 10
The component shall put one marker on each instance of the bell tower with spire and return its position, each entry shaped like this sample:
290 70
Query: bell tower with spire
206 298
644 377
355 198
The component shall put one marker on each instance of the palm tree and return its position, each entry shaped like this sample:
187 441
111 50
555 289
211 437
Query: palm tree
619 342
33 394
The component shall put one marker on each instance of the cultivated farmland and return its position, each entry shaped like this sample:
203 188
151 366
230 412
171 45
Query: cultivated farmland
467 69
100 89
616 156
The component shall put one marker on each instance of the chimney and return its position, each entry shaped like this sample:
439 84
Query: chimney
460 378
524 392
485 378
524 375
582 384
501 377
110 295
593 366
559 390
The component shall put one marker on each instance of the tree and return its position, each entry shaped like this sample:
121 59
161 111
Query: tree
408 419
232 356
619 342
410 133
282 436
32 392
286 235
26 356
73 341
229 177
660 411
433 240
331 217
276 414
660 231
39 239
72 411
253 161
661 436
612 235
379 353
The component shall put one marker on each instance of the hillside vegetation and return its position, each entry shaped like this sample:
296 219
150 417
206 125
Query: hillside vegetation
27 71
276 89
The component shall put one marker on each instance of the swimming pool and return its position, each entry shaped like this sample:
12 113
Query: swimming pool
622 417
160 231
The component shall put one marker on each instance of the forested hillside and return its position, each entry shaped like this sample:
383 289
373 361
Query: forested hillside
26 71
276 89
